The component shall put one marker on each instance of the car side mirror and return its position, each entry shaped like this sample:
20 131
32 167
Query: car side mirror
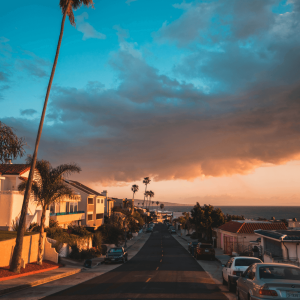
243 274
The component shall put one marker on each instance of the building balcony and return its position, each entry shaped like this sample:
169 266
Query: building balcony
68 217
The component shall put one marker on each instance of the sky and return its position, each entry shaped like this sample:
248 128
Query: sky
201 96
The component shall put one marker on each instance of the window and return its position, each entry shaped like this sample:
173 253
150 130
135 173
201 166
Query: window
98 200
90 217
99 216
90 201
102 201
245 262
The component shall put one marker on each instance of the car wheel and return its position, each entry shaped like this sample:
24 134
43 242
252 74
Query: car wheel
230 286
123 260
249 297
224 281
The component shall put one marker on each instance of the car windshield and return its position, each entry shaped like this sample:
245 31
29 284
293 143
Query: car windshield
272 272
245 262
194 243
115 250
203 246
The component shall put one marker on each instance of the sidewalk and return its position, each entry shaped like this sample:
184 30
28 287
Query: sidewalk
21 283
50 285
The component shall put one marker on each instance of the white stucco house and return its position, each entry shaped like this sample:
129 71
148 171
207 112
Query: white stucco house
11 199
280 246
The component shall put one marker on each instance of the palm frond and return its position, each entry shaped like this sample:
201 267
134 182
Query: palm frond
67 6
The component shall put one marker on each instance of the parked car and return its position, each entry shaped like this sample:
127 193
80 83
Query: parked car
172 230
192 246
204 250
117 254
149 230
269 281
234 268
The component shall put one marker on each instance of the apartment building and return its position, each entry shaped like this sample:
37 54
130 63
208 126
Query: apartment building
92 203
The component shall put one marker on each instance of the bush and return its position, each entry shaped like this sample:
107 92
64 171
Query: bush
97 241
103 249
34 227
83 254
53 223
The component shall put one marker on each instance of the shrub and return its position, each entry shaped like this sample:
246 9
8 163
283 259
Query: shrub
83 254
53 223
97 241
34 227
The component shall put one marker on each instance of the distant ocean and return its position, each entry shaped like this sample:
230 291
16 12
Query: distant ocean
251 212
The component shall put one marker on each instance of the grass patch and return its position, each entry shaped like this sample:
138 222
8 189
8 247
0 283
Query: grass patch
8 235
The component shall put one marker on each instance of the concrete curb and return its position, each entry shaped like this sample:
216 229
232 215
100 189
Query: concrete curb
38 282
28 273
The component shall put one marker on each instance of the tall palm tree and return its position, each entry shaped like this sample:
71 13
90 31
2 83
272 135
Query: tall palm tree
157 204
146 181
50 189
162 206
134 189
67 7
146 195
151 195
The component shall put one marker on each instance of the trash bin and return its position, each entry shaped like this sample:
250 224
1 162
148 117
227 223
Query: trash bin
88 263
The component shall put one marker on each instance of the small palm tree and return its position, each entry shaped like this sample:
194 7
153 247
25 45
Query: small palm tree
67 7
146 194
151 195
50 189
157 204
134 189
146 181
162 206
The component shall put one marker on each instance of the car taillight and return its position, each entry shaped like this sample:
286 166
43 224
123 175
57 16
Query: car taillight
234 273
268 292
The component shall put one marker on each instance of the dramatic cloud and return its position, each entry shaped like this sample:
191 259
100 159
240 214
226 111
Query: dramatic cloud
28 112
89 32
163 124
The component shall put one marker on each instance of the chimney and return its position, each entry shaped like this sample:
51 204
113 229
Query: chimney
104 193
8 161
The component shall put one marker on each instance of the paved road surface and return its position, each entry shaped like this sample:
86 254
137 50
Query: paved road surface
161 270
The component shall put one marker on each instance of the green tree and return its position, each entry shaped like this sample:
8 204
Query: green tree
10 145
67 7
162 206
50 189
205 218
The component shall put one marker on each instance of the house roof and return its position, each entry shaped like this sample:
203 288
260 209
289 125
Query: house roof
285 235
249 227
14 169
83 188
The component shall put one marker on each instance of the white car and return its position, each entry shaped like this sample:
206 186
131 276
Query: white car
235 268
269 281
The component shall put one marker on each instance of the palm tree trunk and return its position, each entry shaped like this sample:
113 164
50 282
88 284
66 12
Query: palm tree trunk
16 259
41 239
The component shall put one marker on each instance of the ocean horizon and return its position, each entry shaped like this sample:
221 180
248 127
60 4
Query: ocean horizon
250 212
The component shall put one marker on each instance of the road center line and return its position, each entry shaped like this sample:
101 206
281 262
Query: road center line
157 268
148 279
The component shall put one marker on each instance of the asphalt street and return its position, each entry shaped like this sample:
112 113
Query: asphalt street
162 269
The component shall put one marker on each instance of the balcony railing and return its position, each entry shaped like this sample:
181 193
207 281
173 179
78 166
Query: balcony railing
67 213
